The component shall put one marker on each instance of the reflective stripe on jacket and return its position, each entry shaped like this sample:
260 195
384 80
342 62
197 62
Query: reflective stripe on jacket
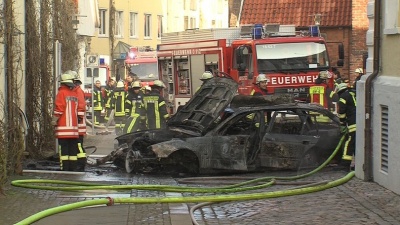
66 109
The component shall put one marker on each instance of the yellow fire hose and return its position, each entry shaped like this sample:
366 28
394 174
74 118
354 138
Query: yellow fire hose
77 186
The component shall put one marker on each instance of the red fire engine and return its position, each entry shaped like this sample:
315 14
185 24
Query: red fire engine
291 60
142 61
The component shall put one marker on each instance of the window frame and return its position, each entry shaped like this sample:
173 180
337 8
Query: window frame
133 24
103 31
119 24
159 26
147 26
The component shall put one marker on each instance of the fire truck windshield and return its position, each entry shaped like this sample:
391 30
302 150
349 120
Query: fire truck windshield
145 71
302 56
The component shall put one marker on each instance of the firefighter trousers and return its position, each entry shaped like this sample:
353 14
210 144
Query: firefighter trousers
81 156
349 146
132 124
68 150
97 117
119 124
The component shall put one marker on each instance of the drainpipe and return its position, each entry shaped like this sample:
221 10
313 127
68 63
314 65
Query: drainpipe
368 153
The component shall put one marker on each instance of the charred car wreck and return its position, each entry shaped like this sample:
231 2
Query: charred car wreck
259 133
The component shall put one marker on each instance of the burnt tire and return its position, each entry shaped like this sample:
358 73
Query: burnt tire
131 163
185 162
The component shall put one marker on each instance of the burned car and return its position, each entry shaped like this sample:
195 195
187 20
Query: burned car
255 134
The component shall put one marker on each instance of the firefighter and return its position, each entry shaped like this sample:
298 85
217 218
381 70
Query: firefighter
359 72
260 88
81 154
117 103
205 77
347 116
155 107
65 119
97 102
108 90
135 109
128 80
321 93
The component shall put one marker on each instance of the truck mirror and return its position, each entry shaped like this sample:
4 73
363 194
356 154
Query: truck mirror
250 76
239 55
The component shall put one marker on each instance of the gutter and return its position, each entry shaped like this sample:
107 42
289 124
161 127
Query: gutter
368 151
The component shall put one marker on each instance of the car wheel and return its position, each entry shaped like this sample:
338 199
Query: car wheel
309 161
131 165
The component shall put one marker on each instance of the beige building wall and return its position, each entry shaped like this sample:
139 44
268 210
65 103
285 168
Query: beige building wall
385 103
100 43
19 7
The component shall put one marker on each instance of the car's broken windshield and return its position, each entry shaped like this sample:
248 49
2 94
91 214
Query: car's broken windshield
296 57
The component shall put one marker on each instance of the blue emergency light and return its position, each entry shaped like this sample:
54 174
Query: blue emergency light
257 31
314 30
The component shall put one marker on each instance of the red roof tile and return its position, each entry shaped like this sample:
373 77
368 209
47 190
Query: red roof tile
298 12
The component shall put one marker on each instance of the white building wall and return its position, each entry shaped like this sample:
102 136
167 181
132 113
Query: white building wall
206 12
385 92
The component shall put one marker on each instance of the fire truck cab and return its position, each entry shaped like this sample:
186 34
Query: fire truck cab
142 61
290 59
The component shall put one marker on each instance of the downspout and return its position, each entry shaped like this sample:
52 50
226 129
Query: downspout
368 153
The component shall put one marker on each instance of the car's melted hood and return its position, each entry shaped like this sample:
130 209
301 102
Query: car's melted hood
206 105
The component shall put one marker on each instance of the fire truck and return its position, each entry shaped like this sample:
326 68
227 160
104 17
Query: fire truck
142 61
290 59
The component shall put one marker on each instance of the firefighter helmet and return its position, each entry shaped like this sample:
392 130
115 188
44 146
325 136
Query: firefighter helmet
158 83
261 78
206 75
74 75
325 75
120 84
359 70
340 87
66 78
136 84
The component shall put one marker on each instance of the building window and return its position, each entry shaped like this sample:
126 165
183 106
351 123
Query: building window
185 22
193 5
391 20
160 26
103 24
220 7
192 23
133 23
119 23
147 25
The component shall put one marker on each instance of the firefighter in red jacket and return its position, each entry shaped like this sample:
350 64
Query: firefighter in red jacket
260 88
65 119
81 120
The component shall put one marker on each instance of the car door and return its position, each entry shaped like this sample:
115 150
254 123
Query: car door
235 140
287 140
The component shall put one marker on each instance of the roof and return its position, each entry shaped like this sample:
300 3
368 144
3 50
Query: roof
298 12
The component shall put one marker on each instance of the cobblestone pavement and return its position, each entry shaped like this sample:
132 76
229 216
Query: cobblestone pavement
356 202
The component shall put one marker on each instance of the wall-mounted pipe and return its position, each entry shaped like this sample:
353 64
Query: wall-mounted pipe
368 153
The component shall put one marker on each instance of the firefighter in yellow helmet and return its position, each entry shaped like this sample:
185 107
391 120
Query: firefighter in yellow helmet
135 109
155 107
117 103
205 77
